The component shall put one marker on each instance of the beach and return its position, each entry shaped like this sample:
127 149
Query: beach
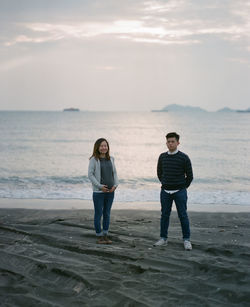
49 257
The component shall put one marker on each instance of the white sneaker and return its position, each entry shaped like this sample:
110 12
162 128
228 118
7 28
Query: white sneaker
187 245
161 242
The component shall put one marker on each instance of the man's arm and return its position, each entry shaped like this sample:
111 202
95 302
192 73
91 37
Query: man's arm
189 172
159 169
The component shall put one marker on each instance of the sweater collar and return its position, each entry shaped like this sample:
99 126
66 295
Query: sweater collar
172 153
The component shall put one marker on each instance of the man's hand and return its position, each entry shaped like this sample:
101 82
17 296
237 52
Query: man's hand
105 189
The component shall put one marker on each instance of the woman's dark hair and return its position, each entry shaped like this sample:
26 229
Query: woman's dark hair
173 135
96 152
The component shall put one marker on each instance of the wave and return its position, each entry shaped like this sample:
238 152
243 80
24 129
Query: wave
137 181
214 180
130 195
44 180
137 189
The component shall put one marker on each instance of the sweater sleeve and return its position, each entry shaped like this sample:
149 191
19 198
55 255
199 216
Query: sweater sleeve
91 173
159 169
189 172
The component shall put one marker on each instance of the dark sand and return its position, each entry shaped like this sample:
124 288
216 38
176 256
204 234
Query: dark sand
50 258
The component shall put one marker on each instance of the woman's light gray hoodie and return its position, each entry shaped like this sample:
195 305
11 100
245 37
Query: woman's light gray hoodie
94 173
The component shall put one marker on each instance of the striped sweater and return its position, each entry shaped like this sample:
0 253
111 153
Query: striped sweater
174 171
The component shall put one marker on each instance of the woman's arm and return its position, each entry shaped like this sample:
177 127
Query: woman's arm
91 173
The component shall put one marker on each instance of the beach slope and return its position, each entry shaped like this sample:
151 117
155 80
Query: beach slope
50 258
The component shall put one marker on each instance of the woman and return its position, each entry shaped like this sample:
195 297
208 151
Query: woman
103 176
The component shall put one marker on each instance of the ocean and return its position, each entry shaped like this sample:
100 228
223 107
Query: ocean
44 155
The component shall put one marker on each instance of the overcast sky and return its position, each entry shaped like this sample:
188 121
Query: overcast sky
124 54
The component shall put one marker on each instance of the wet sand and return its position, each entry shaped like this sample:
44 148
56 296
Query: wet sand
50 258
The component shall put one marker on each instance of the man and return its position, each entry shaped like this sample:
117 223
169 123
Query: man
174 171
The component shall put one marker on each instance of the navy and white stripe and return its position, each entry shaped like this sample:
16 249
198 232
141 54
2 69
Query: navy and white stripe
174 171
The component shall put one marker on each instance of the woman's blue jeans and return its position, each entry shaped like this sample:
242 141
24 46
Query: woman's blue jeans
180 199
102 203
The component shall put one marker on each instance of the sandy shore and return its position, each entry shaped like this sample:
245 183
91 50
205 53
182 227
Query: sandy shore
72 204
50 258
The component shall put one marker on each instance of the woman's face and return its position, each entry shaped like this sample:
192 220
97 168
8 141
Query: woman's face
103 149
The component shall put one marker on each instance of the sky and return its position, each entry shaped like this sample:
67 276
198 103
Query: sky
117 55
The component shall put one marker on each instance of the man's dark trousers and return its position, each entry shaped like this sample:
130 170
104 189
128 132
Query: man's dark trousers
180 199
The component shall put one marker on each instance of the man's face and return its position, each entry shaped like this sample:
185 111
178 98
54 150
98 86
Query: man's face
172 144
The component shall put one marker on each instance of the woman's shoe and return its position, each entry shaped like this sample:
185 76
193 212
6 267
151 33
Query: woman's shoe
101 241
107 240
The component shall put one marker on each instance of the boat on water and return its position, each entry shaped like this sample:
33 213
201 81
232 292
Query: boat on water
71 110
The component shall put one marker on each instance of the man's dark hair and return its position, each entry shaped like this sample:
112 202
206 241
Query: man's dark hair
173 135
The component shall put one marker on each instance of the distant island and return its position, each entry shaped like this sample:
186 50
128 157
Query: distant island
178 108
159 110
71 110
232 110
181 108
226 109
244 111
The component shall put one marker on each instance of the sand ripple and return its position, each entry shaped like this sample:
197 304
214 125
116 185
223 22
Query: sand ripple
50 258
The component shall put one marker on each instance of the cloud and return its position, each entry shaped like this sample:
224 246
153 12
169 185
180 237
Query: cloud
12 64
242 61
162 7
109 68
201 47
29 39
128 29
165 42
155 22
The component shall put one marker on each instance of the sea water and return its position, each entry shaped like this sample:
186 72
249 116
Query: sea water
45 155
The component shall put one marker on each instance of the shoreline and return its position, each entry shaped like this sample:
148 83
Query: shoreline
79 204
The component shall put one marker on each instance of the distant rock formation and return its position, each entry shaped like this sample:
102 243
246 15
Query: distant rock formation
71 110
180 108
226 109
244 111
159 111
231 110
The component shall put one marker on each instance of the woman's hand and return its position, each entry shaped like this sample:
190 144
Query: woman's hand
105 189
112 189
